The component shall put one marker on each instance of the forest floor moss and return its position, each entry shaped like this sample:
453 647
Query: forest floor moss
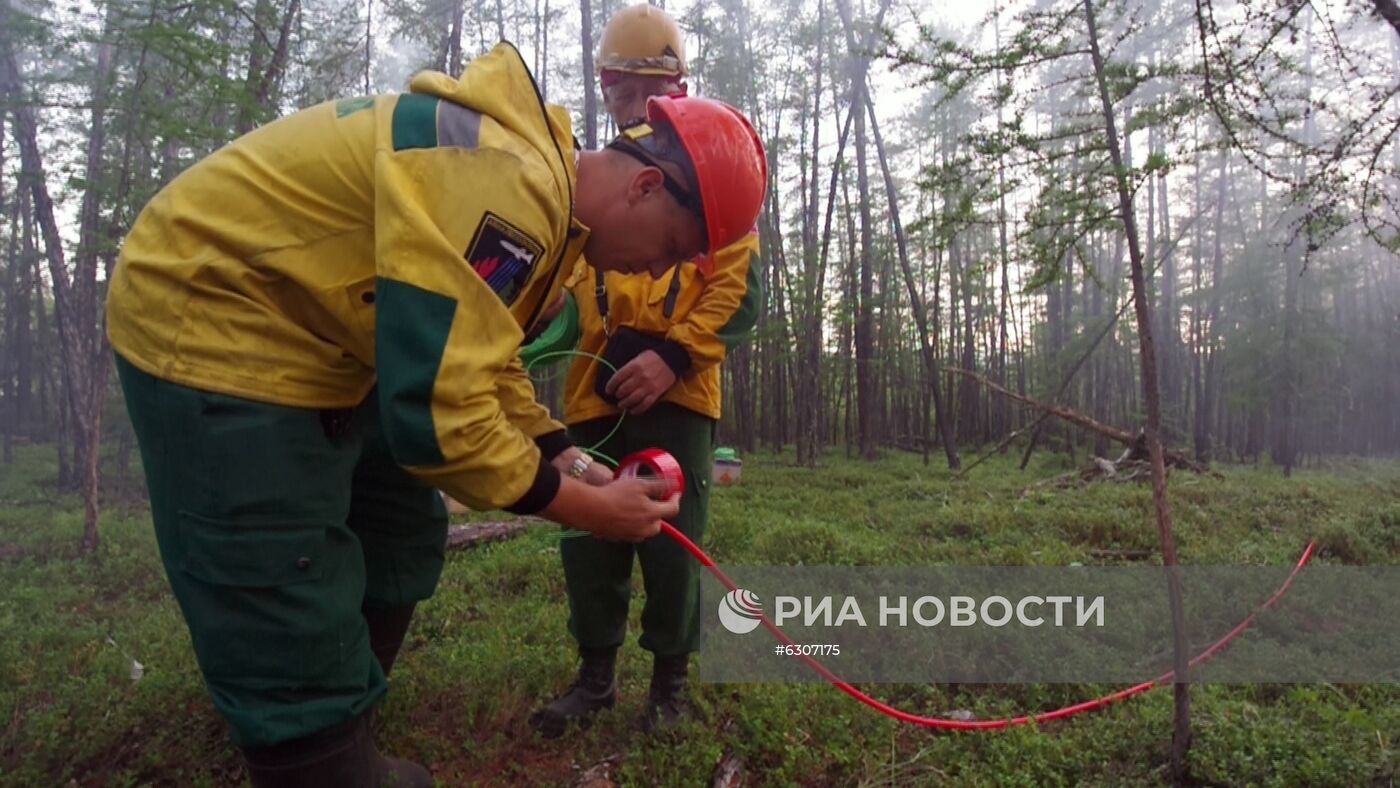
492 644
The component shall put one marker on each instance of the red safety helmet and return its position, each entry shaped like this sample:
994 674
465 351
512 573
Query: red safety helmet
728 158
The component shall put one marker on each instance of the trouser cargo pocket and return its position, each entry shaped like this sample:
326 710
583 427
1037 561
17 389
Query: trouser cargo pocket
272 601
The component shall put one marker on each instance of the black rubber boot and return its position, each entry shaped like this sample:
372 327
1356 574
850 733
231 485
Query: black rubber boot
594 690
666 701
387 627
343 756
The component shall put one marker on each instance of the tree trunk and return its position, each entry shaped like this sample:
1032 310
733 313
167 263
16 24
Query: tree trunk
49 397
265 68
926 338
1181 735
590 95
81 339
866 373
967 399
865 308
807 382
15 368
1286 430
369 43
92 365
851 307
1205 416
453 57
1001 421
1169 340
248 108
544 54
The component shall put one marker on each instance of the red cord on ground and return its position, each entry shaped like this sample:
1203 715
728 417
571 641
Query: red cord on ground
661 464
1006 722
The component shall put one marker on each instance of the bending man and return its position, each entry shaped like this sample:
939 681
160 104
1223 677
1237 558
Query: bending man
319 323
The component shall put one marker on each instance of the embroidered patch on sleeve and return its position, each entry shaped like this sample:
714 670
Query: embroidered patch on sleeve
503 256
350 106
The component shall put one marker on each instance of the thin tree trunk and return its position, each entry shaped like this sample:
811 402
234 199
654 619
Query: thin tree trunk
1170 344
1181 734
590 96
851 307
49 396
967 398
865 316
16 312
369 42
32 172
865 308
926 339
92 374
248 109
453 59
270 84
1210 385
1002 413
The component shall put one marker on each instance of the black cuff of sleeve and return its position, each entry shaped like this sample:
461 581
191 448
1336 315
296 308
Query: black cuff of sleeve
542 490
675 356
552 444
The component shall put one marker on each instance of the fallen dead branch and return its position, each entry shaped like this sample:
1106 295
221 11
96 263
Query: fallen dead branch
1123 555
476 534
1136 442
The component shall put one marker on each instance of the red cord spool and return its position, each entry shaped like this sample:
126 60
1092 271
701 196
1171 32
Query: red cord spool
653 463
659 463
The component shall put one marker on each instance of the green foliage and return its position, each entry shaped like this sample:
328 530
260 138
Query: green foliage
492 643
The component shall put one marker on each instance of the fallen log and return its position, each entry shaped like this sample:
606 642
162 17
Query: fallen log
1123 555
476 534
1136 442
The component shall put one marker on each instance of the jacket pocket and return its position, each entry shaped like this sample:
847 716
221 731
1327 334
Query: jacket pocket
261 552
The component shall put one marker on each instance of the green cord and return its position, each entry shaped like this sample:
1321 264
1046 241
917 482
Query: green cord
593 450
569 533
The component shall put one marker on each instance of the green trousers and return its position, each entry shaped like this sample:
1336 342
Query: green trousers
599 574
276 526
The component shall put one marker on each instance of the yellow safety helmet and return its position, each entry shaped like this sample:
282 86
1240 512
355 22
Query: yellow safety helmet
642 39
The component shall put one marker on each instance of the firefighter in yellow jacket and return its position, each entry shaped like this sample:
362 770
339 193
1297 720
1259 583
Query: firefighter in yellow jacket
666 337
320 323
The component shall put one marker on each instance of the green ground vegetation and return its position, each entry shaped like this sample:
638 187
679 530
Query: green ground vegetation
492 644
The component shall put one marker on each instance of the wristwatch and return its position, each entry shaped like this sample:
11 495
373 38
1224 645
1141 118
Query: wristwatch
580 465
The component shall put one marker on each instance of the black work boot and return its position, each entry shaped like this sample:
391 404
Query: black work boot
387 627
594 690
343 756
666 702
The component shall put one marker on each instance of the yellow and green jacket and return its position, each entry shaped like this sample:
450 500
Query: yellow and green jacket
701 316
404 241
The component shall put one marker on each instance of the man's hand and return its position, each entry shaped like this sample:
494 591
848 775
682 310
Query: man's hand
641 382
628 510
595 474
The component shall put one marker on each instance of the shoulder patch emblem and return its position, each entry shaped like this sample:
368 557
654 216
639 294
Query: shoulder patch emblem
350 106
503 256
